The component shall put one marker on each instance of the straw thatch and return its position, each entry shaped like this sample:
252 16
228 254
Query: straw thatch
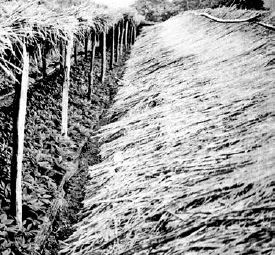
38 24
188 159
32 24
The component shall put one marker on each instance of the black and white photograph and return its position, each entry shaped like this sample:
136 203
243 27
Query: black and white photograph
137 127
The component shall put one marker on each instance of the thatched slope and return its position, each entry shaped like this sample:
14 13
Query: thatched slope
188 160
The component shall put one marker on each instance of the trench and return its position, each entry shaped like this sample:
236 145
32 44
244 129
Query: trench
54 167
74 188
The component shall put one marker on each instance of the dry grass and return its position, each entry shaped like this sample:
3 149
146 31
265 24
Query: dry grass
188 160
38 24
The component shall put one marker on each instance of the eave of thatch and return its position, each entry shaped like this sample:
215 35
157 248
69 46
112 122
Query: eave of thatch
188 160
34 23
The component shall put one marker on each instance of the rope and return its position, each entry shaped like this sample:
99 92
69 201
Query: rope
252 19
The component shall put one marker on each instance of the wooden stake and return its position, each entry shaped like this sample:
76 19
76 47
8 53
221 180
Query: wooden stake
91 73
39 56
66 85
61 58
135 34
103 54
20 111
122 37
35 61
131 35
117 42
86 46
44 62
75 52
97 40
126 35
112 48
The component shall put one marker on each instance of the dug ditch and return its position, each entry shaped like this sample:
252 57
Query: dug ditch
55 168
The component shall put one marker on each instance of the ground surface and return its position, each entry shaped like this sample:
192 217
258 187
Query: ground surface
50 208
188 158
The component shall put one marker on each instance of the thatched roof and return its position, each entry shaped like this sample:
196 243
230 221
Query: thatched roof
35 22
188 158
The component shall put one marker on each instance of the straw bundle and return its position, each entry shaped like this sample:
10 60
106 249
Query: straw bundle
34 25
188 159
38 24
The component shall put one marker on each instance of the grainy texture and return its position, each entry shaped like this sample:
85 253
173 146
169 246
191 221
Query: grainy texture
188 159
42 26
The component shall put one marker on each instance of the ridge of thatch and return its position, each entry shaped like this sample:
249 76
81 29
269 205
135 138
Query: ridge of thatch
188 158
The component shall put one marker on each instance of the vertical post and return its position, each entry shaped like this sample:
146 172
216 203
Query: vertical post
131 34
44 61
20 110
122 37
97 40
75 52
61 58
135 33
66 85
91 73
112 48
35 60
103 54
126 35
39 56
117 41
86 45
